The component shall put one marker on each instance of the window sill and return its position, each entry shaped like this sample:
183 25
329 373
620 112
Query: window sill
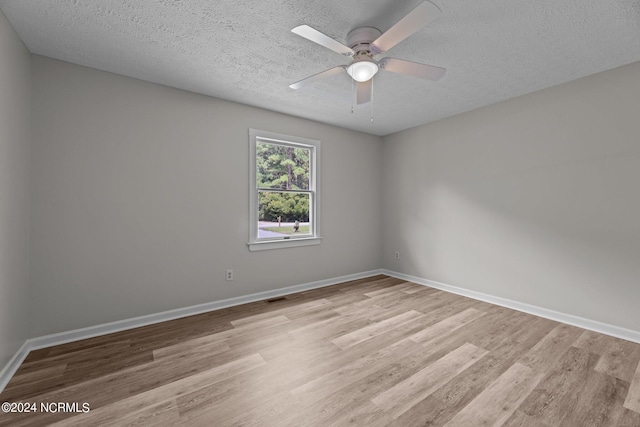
281 244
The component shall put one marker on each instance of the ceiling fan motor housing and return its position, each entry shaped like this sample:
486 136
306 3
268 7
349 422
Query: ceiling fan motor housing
361 38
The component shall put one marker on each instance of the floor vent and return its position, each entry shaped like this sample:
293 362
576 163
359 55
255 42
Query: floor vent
276 299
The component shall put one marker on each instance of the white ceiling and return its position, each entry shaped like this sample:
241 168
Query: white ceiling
243 50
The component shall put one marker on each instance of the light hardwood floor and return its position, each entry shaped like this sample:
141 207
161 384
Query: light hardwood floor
372 352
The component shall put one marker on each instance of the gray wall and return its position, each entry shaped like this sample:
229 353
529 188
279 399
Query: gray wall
15 116
140 200
536 199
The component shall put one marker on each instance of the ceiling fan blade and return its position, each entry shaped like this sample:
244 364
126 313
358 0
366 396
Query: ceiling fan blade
423 71
363 91
416 19
322 39
322 75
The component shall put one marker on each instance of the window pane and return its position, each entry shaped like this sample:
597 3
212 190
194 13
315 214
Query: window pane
282 167
283 214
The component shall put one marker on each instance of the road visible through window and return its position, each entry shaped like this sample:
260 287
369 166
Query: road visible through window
268 229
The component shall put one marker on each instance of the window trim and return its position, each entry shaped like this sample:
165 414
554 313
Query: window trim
314 188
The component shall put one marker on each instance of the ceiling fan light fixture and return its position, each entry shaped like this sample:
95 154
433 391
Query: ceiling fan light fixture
362 71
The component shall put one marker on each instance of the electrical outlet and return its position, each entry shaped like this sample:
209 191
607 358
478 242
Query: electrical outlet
397 255
229 275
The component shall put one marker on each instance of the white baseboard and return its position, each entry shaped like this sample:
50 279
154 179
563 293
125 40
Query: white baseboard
107 328
581 322
79 334
12 366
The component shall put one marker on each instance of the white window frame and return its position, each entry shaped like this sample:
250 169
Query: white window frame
314 238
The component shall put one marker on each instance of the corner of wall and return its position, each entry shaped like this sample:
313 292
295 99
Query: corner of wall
15 146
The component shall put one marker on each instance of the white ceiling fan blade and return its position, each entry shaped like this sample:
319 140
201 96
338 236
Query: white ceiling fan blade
322 39
322 75
416 19
363 91
414 69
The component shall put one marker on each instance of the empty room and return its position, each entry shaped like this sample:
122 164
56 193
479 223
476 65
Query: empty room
303 213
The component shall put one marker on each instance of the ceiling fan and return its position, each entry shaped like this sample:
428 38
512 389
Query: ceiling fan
364 44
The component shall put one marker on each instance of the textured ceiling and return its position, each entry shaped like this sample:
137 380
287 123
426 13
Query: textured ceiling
243 50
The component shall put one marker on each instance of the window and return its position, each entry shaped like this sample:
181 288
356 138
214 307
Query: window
284 191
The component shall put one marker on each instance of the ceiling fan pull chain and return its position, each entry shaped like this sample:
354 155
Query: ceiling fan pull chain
353 95
371 100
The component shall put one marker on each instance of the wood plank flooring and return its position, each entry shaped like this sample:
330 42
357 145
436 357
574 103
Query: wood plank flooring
373 352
